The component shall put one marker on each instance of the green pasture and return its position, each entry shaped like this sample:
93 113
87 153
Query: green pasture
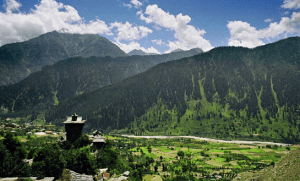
211 155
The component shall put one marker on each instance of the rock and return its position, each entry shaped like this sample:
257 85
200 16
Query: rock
218 176
126 173
239 178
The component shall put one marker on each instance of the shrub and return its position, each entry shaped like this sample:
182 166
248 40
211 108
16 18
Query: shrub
48 162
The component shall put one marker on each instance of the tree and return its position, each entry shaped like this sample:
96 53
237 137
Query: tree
180 154
48 162
12 154
155 168
149 148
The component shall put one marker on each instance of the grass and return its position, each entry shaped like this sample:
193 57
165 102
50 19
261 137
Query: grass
215 154
286 168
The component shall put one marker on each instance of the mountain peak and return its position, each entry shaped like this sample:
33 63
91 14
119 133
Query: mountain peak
20 59
139 52
177 50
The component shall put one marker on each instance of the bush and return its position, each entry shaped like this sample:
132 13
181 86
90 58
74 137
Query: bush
48 162
12 154
81 161
180 154
81 142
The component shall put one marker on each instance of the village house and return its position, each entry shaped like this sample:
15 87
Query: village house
99 140
73 127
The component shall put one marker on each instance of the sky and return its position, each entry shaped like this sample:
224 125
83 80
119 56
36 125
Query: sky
155 26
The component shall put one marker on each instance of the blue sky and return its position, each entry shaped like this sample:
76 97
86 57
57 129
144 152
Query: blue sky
155 26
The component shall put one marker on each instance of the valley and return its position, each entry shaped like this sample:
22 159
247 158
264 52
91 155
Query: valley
151 158
230 113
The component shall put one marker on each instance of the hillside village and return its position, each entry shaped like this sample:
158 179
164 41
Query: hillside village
96 142
27 130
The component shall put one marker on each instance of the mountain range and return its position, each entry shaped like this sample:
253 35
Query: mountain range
228 93
74 76
18 60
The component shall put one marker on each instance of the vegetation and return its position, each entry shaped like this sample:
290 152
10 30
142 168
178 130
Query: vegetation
47 49
170 159
74 76
228 93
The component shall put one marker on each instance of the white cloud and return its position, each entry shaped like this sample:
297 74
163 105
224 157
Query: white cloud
129 32
291 4
158 41
187 35
11 5
47 16
243 34
127 5
268 20
139 12
136 3
135 45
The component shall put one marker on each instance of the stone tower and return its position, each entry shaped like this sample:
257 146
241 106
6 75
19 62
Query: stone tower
73 127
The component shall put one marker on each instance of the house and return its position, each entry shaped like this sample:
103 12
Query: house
73 127
48 132
99 140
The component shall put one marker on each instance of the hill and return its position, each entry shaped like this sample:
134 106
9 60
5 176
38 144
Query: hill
74 76
18 60
228 93
287 168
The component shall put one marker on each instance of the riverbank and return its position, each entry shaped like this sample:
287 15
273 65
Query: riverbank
208 139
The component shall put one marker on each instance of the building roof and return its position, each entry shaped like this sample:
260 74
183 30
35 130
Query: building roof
74 119
99 139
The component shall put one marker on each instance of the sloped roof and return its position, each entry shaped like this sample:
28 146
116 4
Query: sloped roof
78 121
99 139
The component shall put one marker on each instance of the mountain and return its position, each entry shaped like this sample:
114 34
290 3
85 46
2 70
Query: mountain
18 60
228 93
193 51
74 76
177 50
139 52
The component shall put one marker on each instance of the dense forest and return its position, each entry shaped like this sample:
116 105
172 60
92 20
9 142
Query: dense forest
74 76
228 92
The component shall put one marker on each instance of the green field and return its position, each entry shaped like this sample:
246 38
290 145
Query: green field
203 158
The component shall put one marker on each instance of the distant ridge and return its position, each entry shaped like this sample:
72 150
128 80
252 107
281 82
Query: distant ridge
74 76
18 60
140 52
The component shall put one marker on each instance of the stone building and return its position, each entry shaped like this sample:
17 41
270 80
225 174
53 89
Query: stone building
73 127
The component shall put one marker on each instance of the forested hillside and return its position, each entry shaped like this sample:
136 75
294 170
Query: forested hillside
71 77
18 60
228 92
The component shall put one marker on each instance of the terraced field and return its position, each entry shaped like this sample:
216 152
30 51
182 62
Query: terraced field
211 158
